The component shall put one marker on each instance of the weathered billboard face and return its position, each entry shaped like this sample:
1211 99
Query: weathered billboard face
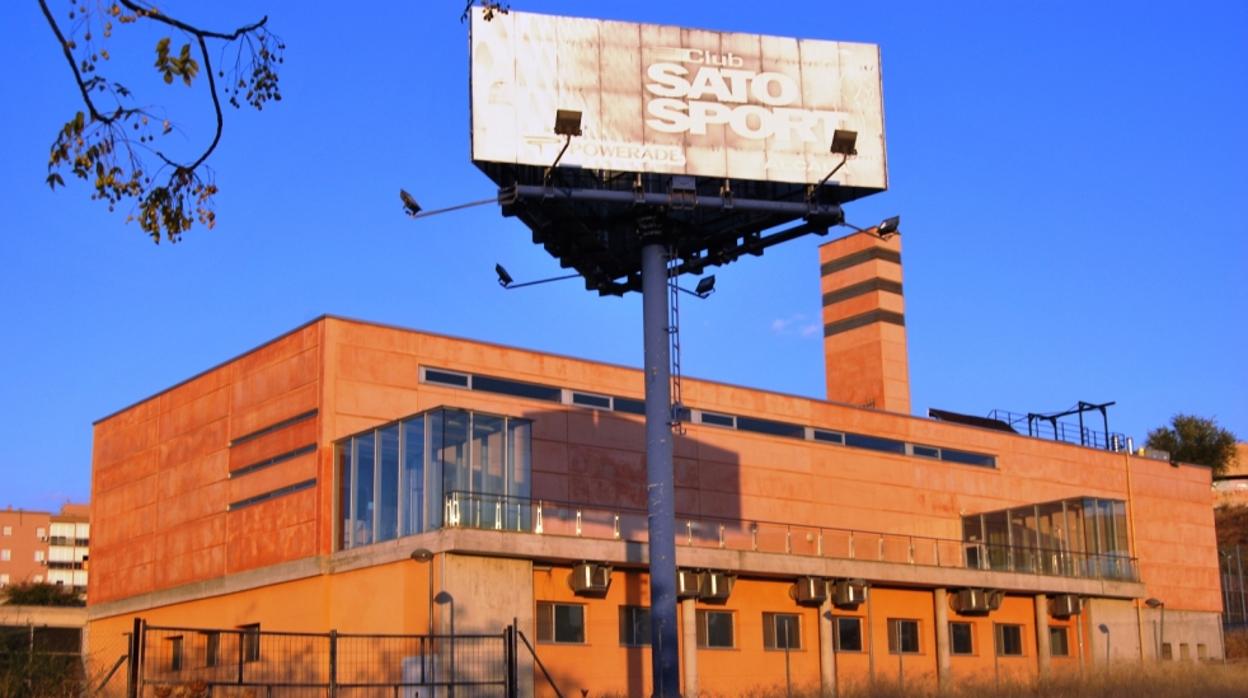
670 100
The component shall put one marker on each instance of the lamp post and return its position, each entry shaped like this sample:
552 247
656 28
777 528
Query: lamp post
1105 630
425 556
1161 637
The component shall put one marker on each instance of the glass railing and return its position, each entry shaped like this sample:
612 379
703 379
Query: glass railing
560 518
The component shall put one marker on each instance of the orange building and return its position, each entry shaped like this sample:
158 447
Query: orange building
846 540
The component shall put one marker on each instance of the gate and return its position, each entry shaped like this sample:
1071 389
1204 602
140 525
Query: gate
250 662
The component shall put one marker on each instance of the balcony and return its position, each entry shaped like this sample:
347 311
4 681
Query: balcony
547 517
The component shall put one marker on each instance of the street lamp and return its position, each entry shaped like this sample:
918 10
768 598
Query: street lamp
1161 637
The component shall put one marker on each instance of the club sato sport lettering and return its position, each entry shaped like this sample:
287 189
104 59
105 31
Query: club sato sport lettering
694 89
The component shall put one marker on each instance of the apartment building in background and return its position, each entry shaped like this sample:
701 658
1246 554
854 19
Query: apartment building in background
37 546
365 478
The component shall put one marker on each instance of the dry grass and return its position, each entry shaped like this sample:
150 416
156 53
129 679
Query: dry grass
1208 680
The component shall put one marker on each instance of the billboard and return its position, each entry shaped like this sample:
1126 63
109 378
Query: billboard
664 99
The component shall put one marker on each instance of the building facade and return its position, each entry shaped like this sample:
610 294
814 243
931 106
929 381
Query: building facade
39 547
827 541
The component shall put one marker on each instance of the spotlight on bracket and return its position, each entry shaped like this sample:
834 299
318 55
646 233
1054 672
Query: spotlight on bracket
844 143
889 227
504 279
409 204
568 122
705 287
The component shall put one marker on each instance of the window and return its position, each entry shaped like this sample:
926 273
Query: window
1009 640
967 458
250 639
1059 642
715 630
560 622
629 405
6 554
39 556
8 530
848 634
875 443
634 626
832 437
1167 651
458 380
175 653
961 638
502 386
1185 652
903 636
782 631
767 426
1202 651
925 451
212 648
601 402
719 420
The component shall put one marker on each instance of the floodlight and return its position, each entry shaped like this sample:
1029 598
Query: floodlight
843 142
705 287
422 555
504 279
888 227
568 122
409 204
1154 602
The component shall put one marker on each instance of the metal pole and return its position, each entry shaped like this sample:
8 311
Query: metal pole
665 658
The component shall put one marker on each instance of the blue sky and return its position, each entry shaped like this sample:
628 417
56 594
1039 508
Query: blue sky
1069 177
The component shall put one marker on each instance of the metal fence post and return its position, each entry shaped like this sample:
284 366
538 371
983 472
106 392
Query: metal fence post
134 674
241 635
333 663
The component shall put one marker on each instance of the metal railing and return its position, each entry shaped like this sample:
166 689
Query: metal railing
1066 432
560 518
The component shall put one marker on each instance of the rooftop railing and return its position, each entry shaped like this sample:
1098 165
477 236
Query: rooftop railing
570 519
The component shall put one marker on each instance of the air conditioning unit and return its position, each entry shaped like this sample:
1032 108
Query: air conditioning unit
995 597
1064 605
809 591
848 593
974 601
590 579
715 586
688 584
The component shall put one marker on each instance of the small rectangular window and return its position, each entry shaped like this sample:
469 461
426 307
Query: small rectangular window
715 629
629 405
961 638
767 426
1167 651
249 636
1185 652
503 386
6 554
925 451
968 458
1059 642
1202 651
8 530
875 443
600 402
719 420
175 653
212 648
782 631
458 380
634 626
39 556
903 636
831 437
848 634
1009 640
561 622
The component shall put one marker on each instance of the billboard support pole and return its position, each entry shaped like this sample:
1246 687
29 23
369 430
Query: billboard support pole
660 490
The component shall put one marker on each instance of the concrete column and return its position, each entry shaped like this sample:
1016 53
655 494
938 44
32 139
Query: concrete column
943 665
689 643
827 649
1043 652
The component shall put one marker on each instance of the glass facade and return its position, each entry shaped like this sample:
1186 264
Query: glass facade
394 480
1078 537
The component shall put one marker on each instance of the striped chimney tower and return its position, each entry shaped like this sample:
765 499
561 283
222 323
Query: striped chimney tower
864 325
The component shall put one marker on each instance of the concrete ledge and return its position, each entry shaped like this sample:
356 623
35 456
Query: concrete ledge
567 549
43 616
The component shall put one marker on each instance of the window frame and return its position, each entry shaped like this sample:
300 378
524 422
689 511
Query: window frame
896 638
553 625
249 642
1064 632
999 631
177 653
630 621
703 619
771 639
836 634
970 626
212 648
